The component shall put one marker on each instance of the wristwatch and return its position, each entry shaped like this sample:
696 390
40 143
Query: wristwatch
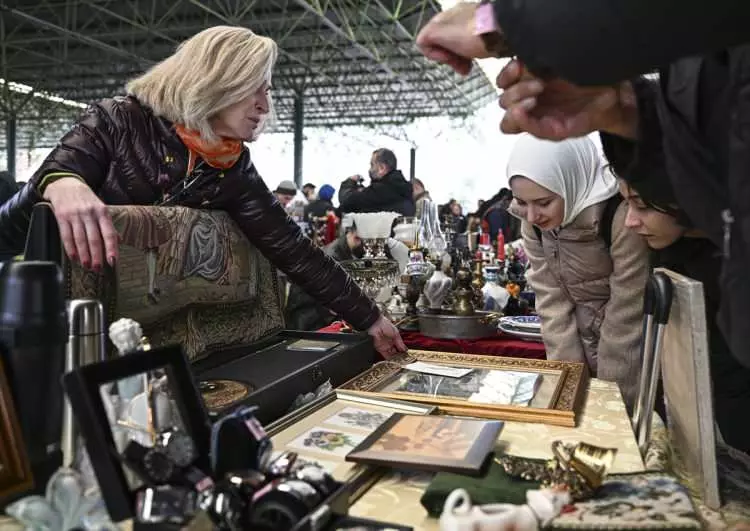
486 27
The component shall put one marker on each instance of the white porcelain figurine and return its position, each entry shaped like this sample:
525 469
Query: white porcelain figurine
541 507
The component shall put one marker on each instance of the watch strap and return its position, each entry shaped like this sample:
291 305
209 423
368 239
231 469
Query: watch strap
485 26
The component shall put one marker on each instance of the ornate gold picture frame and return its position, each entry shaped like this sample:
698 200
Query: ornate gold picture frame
15 471
559 396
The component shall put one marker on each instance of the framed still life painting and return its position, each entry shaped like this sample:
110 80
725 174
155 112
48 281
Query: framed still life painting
543 391
326 430
15 469
434 443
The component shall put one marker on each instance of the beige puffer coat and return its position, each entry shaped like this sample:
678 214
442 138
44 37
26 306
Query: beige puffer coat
590 298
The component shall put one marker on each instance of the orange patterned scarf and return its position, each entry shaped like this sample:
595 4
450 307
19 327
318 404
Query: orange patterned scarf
222 155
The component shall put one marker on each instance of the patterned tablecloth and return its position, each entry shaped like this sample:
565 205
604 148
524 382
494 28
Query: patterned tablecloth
604 422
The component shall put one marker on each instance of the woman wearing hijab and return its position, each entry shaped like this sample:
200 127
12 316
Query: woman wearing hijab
178 139
588 270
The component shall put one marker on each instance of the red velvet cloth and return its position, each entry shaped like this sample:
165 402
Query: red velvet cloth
502 345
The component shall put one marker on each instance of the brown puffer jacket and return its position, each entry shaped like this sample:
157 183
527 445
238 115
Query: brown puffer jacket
129 156
589 297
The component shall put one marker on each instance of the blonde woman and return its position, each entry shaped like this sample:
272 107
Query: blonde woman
178 138
588 270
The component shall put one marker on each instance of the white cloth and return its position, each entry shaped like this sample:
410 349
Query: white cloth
572 169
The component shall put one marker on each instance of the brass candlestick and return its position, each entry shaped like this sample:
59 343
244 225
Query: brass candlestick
477 283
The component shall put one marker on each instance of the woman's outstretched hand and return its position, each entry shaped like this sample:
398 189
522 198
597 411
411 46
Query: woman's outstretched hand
86 228
386 337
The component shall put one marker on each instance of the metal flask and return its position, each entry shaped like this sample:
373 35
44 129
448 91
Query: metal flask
86 344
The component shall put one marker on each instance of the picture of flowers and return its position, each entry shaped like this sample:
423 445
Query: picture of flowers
327 441
430 442
358 418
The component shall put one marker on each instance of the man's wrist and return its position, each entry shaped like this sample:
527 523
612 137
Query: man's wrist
486 27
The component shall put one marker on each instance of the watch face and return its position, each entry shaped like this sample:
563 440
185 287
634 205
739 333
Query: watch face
158 466
181 449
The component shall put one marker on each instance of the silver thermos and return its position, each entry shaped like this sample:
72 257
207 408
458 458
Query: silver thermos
86 344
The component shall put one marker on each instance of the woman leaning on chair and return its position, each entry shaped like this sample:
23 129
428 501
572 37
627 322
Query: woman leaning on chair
178 138
588 270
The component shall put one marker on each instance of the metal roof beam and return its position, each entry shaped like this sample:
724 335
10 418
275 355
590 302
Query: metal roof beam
74 35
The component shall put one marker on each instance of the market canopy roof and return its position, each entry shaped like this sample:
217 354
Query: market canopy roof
354 61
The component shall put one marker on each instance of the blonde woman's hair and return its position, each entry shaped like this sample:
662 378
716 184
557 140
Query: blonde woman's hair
216 68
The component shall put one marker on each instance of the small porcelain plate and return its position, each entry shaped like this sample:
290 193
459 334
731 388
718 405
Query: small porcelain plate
526 323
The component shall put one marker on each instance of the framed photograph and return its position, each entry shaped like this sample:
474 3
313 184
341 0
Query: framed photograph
326 430
523 390
171 401
434 443
15 469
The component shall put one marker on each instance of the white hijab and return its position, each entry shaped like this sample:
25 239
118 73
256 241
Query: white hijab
573 169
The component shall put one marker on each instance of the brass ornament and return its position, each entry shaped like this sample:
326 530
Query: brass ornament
580 468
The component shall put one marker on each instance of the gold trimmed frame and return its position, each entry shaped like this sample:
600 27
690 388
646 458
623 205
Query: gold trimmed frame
563 410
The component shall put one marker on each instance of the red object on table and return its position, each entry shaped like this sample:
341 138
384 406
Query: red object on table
502 345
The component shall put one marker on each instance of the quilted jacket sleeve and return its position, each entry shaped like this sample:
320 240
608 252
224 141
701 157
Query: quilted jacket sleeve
85 151
266 224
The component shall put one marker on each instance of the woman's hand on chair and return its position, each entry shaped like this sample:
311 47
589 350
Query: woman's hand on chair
86 228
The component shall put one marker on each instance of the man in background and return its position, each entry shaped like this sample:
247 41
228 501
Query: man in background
388 190
285 192
308 190
318 208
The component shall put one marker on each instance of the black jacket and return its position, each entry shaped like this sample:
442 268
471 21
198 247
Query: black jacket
391 193
129 156
590 42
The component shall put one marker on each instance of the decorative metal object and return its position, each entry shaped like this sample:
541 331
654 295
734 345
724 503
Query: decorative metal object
477 283
463 303
372 275
449 326
581 468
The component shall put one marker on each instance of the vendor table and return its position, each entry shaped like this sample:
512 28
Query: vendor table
501 345
604 422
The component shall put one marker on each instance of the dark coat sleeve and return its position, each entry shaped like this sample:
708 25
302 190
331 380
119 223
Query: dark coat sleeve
262 219
86 151
595 42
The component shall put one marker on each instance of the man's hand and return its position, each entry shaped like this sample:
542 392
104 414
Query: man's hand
556 109
449 38
386 338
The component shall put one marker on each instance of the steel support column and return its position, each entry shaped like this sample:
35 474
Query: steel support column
299 125
412 163
10 143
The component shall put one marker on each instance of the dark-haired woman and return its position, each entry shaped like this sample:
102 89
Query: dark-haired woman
653 213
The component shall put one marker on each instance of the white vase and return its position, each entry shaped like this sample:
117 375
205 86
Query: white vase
436 289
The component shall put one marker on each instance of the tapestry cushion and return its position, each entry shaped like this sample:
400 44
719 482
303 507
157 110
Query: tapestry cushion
187 276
